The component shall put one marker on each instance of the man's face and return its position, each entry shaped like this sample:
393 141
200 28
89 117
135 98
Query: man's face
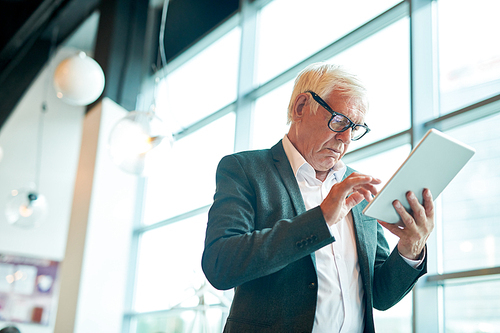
320 146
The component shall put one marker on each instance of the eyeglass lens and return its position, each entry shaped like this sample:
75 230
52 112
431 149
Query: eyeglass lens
340 123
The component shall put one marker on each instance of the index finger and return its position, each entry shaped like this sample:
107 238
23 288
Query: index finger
357 181
357 178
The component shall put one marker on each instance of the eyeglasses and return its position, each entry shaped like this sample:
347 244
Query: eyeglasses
339 122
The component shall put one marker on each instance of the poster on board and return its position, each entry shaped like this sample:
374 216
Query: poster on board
27 289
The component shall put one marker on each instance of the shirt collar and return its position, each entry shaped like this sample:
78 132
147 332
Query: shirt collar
299 163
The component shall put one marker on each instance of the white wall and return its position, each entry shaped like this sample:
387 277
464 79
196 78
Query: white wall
92 206
62 128
60 150
94 271
60 146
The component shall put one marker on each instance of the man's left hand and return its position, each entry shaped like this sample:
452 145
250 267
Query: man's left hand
415 228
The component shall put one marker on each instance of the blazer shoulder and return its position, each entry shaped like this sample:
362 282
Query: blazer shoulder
257 156
349 171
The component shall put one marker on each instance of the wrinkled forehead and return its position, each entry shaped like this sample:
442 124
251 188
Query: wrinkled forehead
356 114
356 119
351 106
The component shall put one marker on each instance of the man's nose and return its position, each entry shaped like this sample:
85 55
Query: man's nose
345 136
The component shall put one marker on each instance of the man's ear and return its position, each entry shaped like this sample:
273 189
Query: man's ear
299 107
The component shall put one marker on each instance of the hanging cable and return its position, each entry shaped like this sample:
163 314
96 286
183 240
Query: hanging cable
162 32
53 42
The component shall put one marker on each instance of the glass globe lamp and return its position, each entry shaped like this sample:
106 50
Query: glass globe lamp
26 208
136 141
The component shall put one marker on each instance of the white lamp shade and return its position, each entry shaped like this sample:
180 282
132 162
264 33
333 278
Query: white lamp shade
79 80
26 208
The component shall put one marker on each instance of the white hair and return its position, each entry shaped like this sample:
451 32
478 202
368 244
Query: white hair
323 78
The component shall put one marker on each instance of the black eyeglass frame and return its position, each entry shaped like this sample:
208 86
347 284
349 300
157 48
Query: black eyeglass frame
327 107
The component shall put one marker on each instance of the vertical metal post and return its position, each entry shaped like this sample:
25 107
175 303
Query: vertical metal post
244 106
424 99
134 255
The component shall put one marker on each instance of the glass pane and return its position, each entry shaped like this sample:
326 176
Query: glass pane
209 320
397 319
270 117
203 85
169 264
188 181
469 52
169 274
472 307
382 62
291 30
470 209
383 166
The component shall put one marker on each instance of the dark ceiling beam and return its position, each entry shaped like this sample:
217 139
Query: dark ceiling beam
25 54
121 38
29 32
190 20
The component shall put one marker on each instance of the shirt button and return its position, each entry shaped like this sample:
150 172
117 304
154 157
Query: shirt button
312 285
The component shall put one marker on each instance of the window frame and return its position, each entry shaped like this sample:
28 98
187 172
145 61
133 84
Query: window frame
428 293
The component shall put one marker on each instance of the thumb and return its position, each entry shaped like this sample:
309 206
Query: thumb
353 200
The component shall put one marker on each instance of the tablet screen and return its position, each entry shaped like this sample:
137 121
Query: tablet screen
432 164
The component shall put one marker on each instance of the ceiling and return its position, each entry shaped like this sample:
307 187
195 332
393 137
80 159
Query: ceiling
29 29
26 28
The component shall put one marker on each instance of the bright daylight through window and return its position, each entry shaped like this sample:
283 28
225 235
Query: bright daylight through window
455 70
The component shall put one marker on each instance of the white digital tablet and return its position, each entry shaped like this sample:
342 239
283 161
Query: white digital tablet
432 164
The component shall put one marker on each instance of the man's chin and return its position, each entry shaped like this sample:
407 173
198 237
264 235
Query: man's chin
329 164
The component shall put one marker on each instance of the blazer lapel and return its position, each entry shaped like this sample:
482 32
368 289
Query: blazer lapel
286 173
361 239
362 245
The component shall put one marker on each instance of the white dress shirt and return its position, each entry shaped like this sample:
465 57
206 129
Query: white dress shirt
340 305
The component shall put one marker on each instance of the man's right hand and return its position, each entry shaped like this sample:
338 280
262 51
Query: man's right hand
345 195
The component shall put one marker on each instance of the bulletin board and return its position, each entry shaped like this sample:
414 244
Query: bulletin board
27 289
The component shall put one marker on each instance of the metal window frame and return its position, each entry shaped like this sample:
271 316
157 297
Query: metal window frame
428 293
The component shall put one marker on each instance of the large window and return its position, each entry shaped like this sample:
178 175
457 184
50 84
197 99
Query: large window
383 64
170 292
283 23
469 56
204 84
472 305
454 71
167 280
470 210
270 123
189 173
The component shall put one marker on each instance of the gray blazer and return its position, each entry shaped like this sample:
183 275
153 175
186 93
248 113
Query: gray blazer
261 241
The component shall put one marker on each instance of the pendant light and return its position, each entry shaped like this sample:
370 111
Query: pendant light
78 79
133 139
137 140
27 207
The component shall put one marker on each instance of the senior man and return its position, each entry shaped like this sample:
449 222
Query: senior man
286 228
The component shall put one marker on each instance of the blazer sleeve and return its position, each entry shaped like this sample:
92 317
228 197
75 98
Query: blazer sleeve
394 279
252 229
